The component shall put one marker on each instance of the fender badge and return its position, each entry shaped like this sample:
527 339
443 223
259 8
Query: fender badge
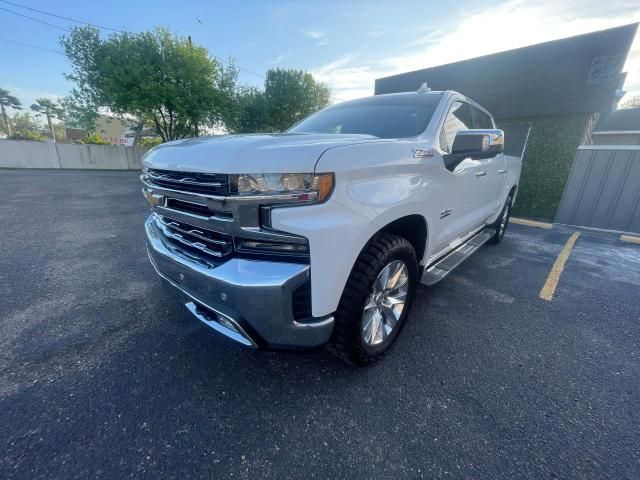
422 152
446 213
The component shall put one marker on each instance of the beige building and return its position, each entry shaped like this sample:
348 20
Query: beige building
113 130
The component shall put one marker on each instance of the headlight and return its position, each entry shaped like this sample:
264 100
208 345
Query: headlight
299 186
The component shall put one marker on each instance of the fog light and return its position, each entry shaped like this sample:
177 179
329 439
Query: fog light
276 247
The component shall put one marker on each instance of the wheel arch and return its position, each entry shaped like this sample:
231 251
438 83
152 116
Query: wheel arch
412 227
513 191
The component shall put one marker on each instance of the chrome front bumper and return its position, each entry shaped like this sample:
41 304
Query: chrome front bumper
249 301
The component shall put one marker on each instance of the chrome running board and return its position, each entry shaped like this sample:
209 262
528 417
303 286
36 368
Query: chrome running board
445 265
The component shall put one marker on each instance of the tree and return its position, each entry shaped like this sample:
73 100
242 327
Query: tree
632 102
51 110
288 97
249 112
80 116
60 129
25 127
84 100
224 111
157 77
292 95
8 100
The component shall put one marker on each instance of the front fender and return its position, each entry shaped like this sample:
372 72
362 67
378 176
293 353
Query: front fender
364 200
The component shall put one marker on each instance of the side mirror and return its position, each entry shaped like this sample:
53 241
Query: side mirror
478 144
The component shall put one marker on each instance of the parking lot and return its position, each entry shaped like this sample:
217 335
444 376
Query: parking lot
103 376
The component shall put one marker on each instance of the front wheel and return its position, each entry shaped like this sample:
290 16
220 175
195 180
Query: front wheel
502 222
376 300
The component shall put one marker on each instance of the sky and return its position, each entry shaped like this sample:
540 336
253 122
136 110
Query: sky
346 44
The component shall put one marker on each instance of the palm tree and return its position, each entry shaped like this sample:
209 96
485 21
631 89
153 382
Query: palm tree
8 100
49 109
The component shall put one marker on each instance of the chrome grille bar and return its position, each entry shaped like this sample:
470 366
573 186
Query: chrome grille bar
194 238
192 182
187 180
180 228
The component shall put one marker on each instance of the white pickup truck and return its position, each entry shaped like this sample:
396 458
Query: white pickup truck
319 235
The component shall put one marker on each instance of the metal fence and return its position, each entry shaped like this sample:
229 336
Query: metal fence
603 189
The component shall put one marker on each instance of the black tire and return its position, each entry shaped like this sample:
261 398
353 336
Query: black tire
498 225
347 340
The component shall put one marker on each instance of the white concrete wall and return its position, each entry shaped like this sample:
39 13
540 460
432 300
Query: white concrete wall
25 154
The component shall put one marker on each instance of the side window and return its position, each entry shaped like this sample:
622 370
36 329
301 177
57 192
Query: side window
481 119
458 118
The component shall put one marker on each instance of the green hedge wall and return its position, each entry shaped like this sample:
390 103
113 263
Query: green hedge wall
551 149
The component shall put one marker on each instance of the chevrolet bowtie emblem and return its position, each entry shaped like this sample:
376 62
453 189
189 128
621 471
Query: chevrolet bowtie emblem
153 198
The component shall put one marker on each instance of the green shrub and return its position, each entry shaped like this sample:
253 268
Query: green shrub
94 139
551 149
149 142
30 135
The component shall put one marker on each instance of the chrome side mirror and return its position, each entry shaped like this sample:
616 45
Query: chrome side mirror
478 144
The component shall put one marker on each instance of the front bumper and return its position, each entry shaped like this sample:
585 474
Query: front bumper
249 301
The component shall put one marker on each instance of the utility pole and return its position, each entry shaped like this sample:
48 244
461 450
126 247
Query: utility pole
51 130
6 119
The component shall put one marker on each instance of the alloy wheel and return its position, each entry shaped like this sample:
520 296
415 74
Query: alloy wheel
385 303
505 219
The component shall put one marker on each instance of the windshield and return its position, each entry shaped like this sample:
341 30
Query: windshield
383 116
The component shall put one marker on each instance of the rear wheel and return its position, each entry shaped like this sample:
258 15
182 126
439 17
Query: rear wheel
376 300
502 222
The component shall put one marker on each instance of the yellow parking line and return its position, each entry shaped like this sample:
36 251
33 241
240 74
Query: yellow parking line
530 223
550 285
630 238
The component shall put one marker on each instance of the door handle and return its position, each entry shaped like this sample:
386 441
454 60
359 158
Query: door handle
481 173
502 171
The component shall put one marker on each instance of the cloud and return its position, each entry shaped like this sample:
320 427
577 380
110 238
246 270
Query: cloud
27 96
346 81
510 25
632 67
278 60
314 34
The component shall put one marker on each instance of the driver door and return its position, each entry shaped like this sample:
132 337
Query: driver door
460 199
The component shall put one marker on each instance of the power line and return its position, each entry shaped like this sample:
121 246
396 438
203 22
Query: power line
32 46
35 19
87 23
61 17
95 25
244 69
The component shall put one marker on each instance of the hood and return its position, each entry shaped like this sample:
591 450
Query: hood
255 153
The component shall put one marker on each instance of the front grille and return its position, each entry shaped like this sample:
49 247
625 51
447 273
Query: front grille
196 208
206 183
301 301
205 241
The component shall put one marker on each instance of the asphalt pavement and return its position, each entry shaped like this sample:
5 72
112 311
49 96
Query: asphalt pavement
103 375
